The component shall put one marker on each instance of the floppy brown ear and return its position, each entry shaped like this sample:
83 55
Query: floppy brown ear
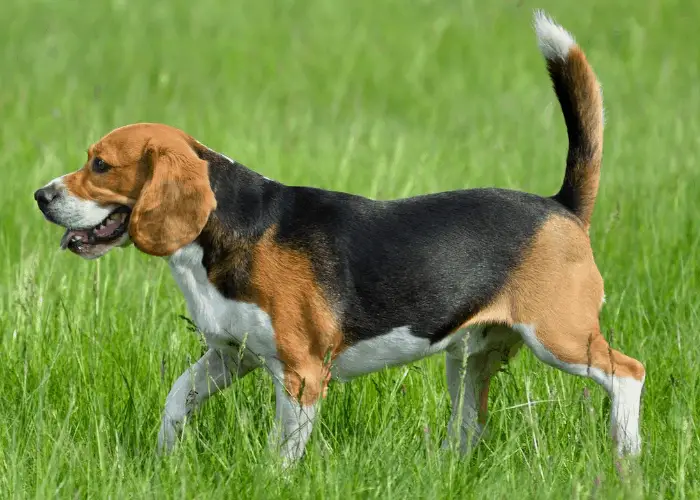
175 201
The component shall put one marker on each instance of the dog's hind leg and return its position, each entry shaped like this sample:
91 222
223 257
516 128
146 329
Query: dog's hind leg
470 364
586 353
556 297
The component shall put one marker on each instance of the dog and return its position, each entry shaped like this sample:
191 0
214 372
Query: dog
317 285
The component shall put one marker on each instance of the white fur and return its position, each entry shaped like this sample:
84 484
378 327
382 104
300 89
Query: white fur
76 213
625 392
472 358
293 423
223 322
469 365
226 325
213 372
553 40
397 347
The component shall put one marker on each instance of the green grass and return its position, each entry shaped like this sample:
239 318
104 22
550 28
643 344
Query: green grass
383 99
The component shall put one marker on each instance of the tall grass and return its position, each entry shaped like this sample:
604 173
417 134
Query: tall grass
383 99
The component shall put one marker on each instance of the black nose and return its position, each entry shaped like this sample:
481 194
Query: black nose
44 196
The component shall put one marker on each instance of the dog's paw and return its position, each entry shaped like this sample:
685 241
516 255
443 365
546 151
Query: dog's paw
170 431
468 440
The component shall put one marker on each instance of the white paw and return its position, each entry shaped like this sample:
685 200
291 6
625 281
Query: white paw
628 445
291 456
168 435
468 440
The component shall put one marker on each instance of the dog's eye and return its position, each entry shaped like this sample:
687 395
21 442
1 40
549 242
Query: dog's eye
99 166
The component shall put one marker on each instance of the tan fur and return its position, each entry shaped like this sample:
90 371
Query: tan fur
175 202
306 330
155 171
559 290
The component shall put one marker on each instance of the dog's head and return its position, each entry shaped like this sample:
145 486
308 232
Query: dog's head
141 183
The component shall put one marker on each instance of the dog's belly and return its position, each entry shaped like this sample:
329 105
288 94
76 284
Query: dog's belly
397 347
226 324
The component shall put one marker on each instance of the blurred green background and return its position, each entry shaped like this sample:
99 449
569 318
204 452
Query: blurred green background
379 98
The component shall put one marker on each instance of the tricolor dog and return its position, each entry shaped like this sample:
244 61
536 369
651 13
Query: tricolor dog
315 284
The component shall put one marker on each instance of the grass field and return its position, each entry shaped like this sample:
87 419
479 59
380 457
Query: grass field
384 99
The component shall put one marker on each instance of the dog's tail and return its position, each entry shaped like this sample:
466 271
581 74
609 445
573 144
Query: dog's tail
581 104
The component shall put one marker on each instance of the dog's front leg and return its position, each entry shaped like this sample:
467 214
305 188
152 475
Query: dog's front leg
297 395
293 425
213 372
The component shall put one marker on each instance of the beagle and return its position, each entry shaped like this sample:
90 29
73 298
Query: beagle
315 284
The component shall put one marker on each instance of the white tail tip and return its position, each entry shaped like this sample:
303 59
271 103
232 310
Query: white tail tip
554 41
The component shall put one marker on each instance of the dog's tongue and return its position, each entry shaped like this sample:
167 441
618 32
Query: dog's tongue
69 236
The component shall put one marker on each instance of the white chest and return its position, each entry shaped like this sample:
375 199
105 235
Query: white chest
225 323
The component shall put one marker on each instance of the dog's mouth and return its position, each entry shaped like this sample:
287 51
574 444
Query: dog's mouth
96 241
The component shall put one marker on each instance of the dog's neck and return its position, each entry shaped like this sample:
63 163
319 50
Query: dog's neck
248 204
